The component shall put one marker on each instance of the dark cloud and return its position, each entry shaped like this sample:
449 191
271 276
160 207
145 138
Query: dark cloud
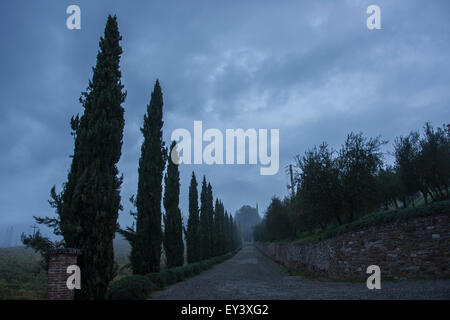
309 68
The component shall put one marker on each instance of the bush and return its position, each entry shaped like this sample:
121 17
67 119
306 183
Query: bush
188 270
179 273
169 276
134 287
196 268
157 279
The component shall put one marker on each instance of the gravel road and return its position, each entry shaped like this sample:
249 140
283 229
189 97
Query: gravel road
251 276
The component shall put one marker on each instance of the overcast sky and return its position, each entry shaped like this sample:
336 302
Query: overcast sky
311 69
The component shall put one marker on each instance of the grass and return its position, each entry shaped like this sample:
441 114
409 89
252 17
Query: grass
21 277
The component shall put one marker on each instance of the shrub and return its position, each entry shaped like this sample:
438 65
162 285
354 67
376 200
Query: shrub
157 279
134 287
196 268
188 270
179 273
169 276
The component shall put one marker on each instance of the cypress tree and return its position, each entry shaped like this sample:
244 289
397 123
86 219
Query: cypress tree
146 244
193 227
236 236
173 225
219 221
210 217
205 234
89 203
227 232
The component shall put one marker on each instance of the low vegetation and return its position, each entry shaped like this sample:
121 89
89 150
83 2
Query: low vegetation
21 275
137 287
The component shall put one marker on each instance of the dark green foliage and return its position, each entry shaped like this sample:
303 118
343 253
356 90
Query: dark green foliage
319 188
210 222
87 208
390 187
146 240
333 189
205 223
193 226
179 273
173 275
277 220
218 234
138 287
423 163
173 225
21 275
169 276
407 153
157 279
359 161
219 229
135 287
384 217
40 244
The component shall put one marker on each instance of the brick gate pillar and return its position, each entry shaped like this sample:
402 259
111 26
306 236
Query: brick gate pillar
59 260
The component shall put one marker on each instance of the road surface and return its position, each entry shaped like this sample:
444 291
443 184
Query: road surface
249 275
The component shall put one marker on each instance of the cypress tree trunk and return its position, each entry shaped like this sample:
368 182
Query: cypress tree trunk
173 232
89 204
146 248
193 228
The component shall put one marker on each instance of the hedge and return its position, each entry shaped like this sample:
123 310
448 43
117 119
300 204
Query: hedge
133 287
137 287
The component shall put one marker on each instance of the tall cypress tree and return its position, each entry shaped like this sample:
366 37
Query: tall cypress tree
173 225
232 227
89 203
146 243
210 218
193 227
219 221
227 232
204 222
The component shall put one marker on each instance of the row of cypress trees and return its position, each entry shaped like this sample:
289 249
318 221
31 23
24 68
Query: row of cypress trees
211 231
88 205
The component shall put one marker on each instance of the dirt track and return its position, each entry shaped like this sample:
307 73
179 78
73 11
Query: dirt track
251 276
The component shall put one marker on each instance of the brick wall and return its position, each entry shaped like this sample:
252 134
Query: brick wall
412 249
60 259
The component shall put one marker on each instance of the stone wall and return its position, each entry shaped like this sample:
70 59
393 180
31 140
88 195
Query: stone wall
412 249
